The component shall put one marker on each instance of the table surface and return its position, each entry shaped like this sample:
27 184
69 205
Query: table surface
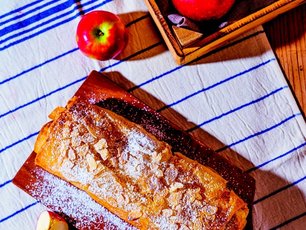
287 36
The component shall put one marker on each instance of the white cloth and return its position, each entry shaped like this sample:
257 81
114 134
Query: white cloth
237 95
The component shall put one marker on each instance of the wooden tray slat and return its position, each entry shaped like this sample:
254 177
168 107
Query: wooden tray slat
249 18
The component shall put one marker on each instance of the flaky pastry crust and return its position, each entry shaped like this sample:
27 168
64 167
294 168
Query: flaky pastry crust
133 174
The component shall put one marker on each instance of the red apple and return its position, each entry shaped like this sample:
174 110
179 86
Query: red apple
101 35
51 221
202 10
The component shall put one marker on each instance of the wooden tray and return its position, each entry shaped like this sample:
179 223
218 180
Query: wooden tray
187 45
76 206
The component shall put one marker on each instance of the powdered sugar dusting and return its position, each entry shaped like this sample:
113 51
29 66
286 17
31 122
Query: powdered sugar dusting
138 142
82 211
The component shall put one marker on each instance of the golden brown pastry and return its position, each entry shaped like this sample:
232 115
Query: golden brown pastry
133 174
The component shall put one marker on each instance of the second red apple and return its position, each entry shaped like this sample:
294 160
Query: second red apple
201 10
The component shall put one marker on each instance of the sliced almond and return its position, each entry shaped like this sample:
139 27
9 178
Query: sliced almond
211 210
198 196
82 150
171 174
91 162
159 173
167 212
101 144
120 199
101 148
67 164
66 132
71 154
127 199
63 147
88 138
156 157
176 186
104 154
114 161
91 131
75 141
173 226
193 194
134 215
197 224
100 168
174 198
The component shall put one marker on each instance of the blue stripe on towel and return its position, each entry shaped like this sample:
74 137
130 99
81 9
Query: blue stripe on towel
20 9
38 65
42 97
289 221
279 190
19 141
24 37
81 79
5 183
258 133
75 49
35 18
193 61
215 85
179 67
19 211
61 55
236 109
72 83
276 158
18 16
131 56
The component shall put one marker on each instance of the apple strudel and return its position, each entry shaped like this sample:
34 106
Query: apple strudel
133 174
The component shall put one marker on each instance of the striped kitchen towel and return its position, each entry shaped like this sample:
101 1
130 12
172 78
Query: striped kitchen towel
236 100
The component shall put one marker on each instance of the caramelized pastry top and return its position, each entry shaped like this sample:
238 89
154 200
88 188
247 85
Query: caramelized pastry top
133 174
